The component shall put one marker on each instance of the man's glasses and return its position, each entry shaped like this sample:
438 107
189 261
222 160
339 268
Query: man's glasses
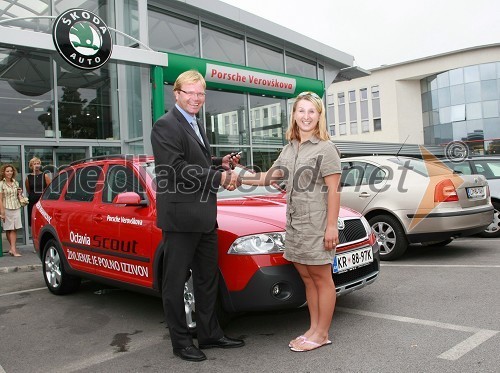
192 94
309 93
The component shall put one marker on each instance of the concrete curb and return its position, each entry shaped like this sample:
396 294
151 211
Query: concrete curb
22 268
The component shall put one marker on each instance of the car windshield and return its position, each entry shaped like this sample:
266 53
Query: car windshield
242 191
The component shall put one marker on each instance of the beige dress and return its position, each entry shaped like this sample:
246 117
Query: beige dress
306 196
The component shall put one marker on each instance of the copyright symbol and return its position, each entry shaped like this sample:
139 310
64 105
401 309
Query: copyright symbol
456 151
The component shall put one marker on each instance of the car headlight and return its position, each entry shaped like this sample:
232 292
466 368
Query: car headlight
265 243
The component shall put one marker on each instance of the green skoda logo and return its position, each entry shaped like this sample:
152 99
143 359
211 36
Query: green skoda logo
82 39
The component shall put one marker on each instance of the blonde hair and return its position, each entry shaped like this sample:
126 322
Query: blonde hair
189 77
4 167
33 160
320 131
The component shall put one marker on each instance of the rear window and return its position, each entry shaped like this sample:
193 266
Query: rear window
414 164
417 165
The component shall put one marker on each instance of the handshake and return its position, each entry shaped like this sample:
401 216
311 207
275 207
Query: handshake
230 180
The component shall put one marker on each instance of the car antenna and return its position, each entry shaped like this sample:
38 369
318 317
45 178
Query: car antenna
404 142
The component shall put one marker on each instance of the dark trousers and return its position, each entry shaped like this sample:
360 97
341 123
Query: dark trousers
198 252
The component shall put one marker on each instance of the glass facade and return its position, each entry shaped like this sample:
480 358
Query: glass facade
59 114
463 105
233 120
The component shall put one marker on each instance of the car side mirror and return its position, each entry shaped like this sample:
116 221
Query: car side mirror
129 199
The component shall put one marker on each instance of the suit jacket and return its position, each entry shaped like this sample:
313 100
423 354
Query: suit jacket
186 178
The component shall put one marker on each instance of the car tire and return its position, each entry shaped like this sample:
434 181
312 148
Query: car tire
390 236
493 229
437 243
56 278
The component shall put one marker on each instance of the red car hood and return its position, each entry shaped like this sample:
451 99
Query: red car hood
267 209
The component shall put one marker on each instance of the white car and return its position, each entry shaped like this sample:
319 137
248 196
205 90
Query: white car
408 200
489 167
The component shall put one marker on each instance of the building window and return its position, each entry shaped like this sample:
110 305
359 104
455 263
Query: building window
377 121
363 105
220 46
365 126
354 128
342 115
268 126
173 34
353 113
264 57
226 105
300 67
331 113
332 130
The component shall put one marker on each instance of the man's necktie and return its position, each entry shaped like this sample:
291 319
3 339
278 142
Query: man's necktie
197 131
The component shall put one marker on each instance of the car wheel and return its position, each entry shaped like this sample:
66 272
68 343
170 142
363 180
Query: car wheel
390 236
437 243
56 278
190 304
493 229
190 307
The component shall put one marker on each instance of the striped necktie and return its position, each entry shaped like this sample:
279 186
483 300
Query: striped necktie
197 130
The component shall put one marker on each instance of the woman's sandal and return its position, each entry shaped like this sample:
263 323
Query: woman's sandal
14 254
300 338
309 345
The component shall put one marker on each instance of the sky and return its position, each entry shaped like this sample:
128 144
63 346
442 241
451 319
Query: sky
385 32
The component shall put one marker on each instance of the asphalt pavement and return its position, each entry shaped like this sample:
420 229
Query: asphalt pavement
29 261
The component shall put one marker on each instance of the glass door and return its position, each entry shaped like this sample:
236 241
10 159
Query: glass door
65 156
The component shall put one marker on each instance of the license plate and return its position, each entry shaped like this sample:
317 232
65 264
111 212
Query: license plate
352 259
476 192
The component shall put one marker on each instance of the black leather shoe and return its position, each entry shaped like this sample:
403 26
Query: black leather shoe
190 353
224 342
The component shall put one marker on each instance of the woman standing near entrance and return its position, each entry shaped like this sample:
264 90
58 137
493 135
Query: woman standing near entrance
10 207
35 183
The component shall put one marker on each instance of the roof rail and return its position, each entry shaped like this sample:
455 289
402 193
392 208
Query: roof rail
126 157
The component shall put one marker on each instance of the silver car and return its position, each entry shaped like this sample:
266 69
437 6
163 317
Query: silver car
408 200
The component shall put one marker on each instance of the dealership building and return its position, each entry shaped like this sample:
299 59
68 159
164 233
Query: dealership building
62 100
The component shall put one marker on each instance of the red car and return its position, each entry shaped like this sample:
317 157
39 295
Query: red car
97 219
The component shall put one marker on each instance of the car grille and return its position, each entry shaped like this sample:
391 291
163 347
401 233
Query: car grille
341 279
354 230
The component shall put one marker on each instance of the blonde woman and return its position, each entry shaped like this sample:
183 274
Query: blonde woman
310 167
35 183
10 207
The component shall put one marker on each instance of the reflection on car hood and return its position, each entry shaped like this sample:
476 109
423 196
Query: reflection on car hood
269 209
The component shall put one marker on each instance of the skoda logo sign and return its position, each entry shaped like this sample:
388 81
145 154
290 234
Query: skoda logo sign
82 39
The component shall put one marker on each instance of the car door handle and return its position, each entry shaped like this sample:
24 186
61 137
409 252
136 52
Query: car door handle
98 218
364 194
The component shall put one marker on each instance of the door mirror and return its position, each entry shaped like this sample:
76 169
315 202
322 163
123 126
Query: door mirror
129 199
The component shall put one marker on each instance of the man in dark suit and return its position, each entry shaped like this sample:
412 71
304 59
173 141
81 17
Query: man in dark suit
186 199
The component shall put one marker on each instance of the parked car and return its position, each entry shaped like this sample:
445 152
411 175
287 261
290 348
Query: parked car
489 167
97 219
408 200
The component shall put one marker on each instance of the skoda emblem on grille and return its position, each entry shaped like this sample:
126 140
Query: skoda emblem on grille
340 224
